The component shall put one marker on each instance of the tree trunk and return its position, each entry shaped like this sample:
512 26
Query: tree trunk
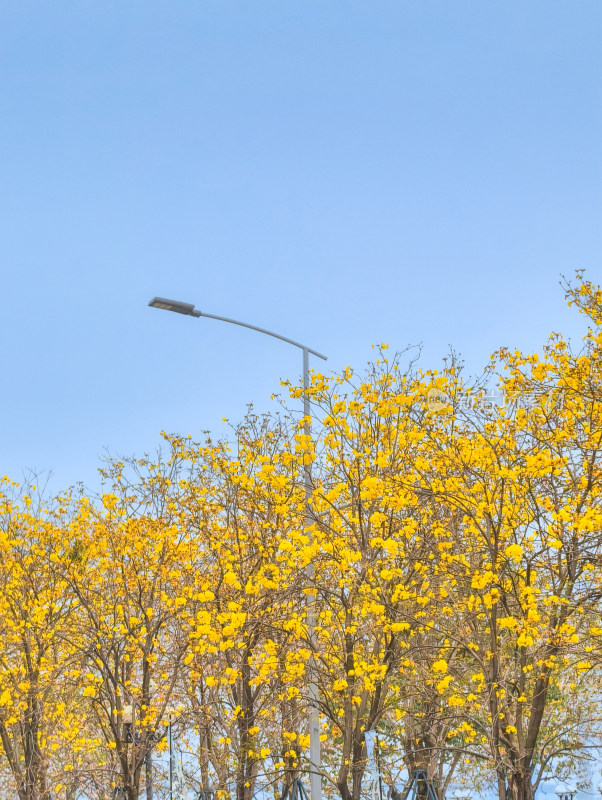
246 772
501 783
358 768
520 786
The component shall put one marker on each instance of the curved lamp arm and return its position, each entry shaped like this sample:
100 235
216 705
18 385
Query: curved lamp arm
189 310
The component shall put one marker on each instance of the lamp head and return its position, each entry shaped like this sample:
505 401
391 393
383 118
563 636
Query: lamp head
175 305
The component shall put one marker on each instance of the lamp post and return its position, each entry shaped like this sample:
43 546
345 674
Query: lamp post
170 759
189 310
565 791
174 779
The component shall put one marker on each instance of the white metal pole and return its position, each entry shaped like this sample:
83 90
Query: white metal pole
170 760
314 712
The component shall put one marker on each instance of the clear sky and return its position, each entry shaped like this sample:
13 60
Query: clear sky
342 172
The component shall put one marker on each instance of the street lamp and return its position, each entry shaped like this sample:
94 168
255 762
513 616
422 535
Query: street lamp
565 792
189 310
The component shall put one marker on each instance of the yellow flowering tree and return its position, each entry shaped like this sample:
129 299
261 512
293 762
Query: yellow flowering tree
373 546
132 566
245 640
44 743
523 480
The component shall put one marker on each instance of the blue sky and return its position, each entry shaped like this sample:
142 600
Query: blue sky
342 172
